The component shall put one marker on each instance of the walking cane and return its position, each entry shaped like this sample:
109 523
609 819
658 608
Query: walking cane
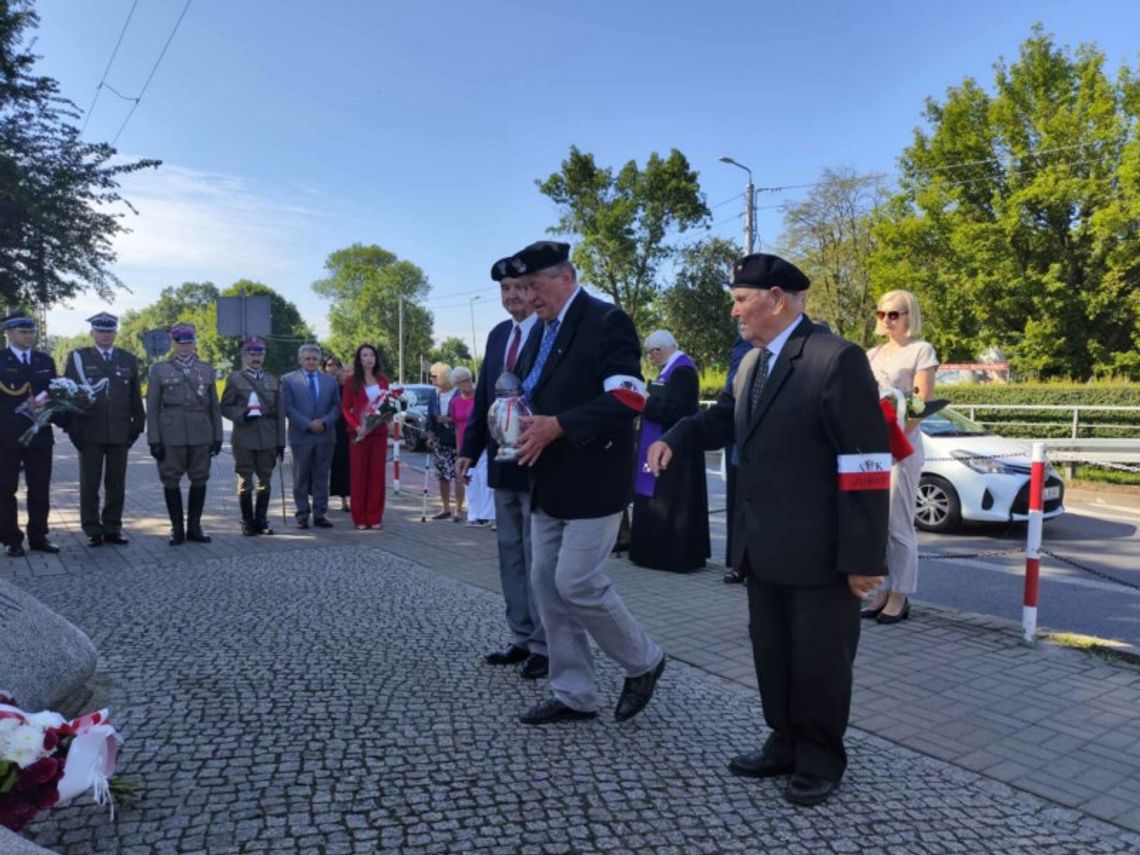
423 510
281 471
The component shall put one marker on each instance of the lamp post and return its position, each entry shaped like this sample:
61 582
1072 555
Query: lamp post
474 341
749 204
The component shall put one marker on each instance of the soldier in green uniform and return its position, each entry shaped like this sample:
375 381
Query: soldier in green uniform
252 401
104 434
184 430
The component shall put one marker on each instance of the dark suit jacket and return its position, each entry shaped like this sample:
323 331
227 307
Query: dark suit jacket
477 437
589 471
20 382
791 520
117 415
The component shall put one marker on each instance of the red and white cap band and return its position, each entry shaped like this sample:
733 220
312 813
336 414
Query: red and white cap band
864 472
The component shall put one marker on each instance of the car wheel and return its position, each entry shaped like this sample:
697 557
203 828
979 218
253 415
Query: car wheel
936 506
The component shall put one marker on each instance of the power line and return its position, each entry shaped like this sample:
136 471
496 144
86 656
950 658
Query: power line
153 69
103 79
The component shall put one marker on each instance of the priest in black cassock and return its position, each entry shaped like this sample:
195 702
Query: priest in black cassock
671 513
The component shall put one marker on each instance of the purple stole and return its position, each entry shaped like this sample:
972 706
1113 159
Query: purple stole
644 483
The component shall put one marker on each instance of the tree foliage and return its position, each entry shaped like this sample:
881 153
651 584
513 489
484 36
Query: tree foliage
55 230
1018 219
288 331
695 309
364 286
829 236
452 350
187 302
623 221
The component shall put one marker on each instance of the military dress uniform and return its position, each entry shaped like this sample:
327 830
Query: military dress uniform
23 375
184 430
104 434
257 440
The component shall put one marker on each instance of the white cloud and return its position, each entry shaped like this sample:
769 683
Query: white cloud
203 226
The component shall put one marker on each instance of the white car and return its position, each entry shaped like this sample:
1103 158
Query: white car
974 475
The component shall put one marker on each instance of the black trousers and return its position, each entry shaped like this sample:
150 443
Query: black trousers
36 463
804 642
106 463
729 505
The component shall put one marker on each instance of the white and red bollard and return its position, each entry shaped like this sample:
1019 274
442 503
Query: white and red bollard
1033 543
396 456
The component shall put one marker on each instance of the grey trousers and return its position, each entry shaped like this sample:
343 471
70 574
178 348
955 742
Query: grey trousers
312 466
102 463
578 602
512 517
902 540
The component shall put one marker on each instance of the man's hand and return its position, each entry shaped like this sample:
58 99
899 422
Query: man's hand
657 457
462 465
861 586
537 433
316 426
157 451
215 449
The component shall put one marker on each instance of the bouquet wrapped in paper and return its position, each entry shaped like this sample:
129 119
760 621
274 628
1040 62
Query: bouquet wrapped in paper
61 396
46 759
897 409
390 404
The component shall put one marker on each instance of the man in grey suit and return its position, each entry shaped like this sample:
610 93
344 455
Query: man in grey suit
312 402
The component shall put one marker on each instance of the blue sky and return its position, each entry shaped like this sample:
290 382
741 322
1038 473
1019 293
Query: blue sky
291 129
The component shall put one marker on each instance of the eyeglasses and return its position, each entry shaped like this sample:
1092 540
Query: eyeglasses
890 316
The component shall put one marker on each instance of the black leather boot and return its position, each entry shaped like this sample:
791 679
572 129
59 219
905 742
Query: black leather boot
194 515
173 497
261 516
248 527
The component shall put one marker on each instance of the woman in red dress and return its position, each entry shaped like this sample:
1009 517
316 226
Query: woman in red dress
367 456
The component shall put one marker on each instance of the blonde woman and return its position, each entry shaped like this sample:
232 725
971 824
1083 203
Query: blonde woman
441 440
907 363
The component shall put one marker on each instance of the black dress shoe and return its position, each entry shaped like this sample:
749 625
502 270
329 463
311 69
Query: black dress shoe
733 577
536 666
637 691
15 550
509 655
883 617
44 545
872 613
95 540
303 522
553 710
116 539
322 522
806 790
759 764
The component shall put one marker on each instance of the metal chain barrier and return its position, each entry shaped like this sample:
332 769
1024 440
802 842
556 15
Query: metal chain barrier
1100 574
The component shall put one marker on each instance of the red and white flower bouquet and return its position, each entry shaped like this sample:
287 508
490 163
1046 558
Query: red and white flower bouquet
391 403
46 759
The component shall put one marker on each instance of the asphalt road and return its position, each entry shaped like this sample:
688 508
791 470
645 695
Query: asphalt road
1096 532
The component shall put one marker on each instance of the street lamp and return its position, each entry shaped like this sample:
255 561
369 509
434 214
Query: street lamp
474 341
749 203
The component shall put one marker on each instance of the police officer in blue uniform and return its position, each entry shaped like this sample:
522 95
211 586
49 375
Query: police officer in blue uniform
24 373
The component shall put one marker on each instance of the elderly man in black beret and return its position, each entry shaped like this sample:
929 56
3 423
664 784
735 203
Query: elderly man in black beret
811 517
585 388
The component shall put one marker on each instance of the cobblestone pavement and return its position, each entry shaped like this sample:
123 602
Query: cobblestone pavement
207 650
332 700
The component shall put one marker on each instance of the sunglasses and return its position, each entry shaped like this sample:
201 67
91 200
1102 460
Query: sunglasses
890 316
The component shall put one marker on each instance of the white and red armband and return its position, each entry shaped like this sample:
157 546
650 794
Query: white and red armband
628 389
864 472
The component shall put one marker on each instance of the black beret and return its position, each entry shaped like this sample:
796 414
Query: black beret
540 255
506 268
761 270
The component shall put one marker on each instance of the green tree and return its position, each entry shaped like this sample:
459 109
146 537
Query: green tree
696 309
61 345
829 236
452 350
288 330
188 302
624 221
1018 217
55 230
364 286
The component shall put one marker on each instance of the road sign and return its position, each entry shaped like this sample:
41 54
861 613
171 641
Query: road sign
244 316
156 342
